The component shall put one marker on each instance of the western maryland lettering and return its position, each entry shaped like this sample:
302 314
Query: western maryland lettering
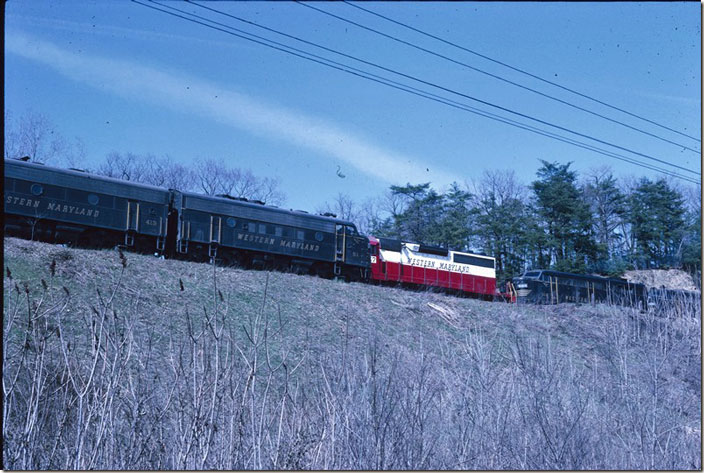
51 206
282 243
71 209
21 201
442 265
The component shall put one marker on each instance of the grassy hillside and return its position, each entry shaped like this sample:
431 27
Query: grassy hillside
136 362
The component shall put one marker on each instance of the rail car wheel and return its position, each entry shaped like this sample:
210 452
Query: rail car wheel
232 258
322 271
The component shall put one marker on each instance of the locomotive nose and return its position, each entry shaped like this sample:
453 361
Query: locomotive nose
522 287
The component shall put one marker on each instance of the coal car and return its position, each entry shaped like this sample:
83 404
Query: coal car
47 203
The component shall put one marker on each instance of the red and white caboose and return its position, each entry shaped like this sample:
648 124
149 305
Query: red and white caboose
397 261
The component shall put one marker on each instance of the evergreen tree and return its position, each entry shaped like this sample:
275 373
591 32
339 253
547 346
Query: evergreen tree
608 207
566 216
692 247
656 215
454 230
422 214
504 225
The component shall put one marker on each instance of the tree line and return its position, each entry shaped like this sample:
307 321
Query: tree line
595 224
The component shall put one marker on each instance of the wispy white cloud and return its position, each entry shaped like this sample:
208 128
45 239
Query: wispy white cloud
182 92
98 28
673 99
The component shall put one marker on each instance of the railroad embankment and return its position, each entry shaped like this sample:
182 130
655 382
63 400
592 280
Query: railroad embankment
664 278
133 362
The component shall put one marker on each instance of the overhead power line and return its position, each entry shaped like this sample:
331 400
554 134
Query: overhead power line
495 76
583 135
522 71
366 75
503 79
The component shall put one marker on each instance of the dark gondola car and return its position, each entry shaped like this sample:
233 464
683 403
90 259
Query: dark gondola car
52 204
550 287
256 234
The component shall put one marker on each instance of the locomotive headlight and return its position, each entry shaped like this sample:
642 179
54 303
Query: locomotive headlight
522 286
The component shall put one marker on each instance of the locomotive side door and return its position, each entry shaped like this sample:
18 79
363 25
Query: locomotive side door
215 235
340 242
132 223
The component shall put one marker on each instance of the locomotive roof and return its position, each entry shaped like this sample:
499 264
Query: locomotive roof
83 180
268 208
80 174
396 245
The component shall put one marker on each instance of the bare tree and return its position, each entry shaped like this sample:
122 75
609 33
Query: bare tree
35 136
216 177
164 172
343 206
209 176
127 166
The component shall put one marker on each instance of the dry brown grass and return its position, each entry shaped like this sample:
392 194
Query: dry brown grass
175 365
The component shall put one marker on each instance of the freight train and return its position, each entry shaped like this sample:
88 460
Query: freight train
71 205
552 287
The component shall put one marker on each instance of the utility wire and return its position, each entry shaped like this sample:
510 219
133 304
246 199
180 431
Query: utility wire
513 68
438 86
396 85
497 77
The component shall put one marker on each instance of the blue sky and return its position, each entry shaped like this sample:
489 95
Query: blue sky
126 78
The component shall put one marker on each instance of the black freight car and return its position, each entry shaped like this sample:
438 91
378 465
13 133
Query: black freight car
674 301
53 204
550 287
253 234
